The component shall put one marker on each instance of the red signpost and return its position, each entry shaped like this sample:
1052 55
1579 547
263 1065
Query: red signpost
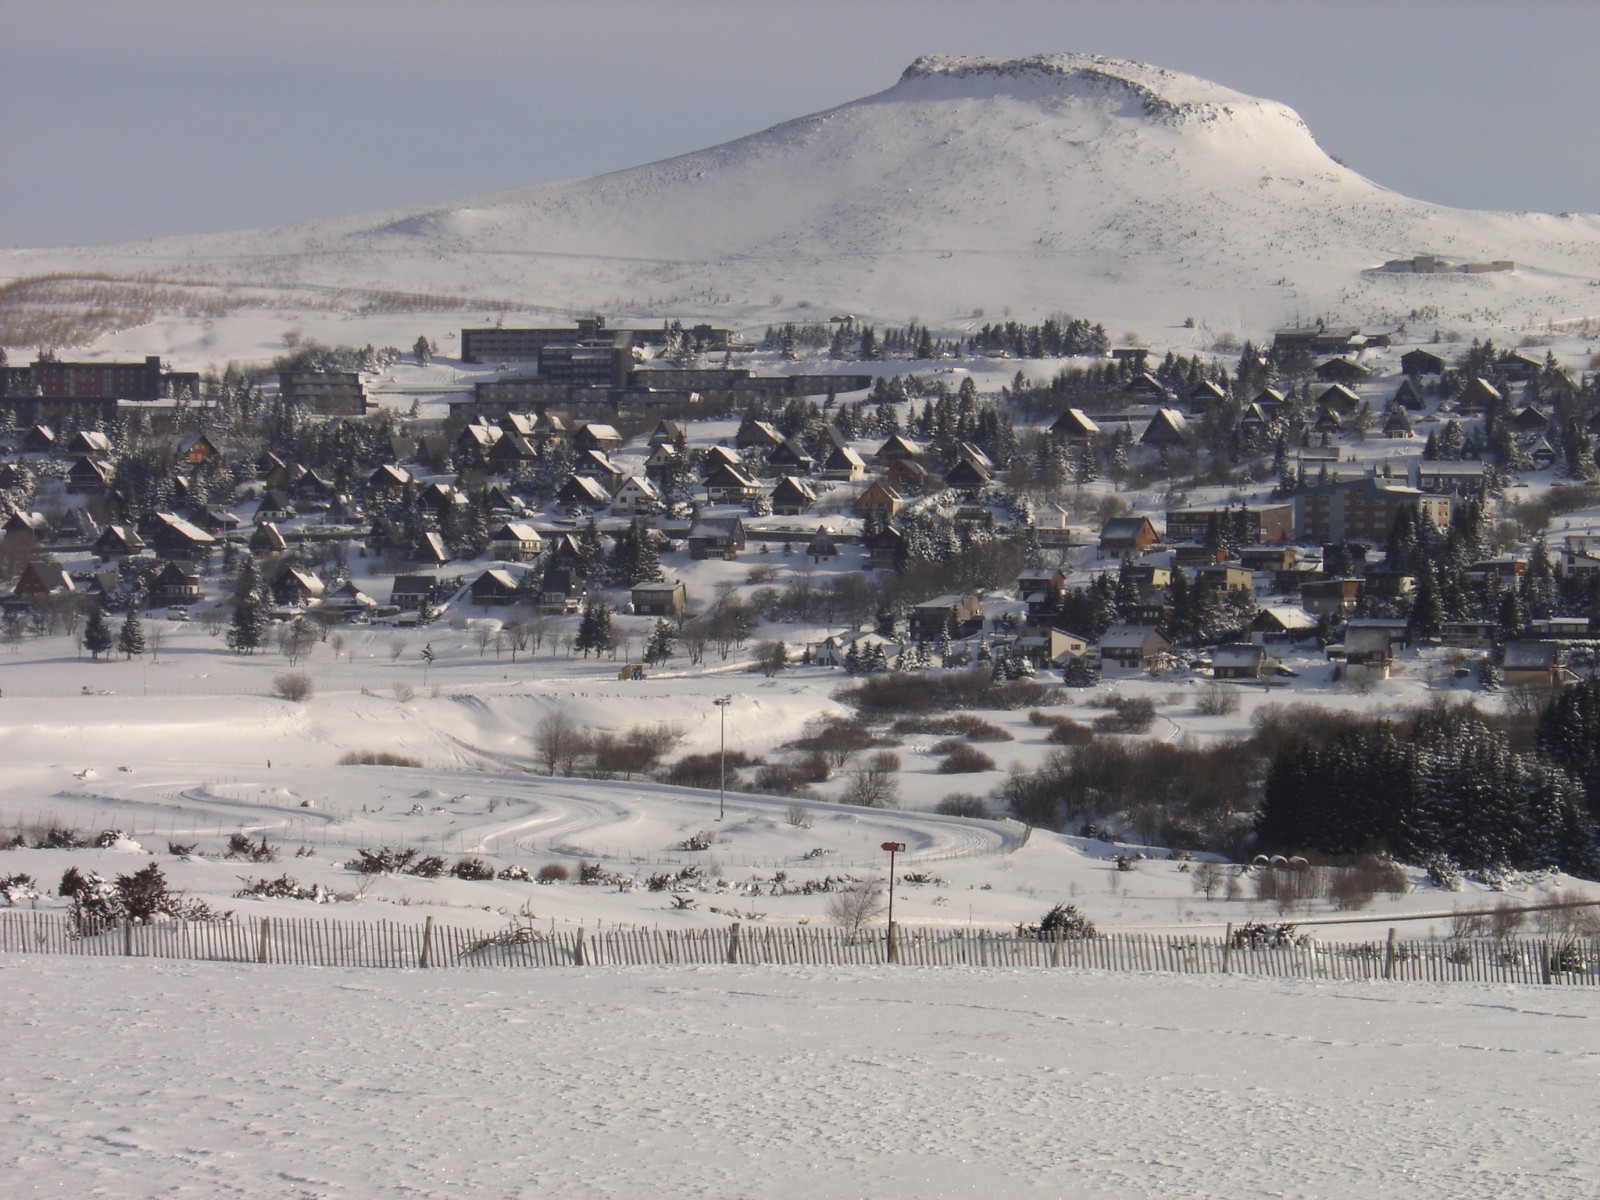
890 954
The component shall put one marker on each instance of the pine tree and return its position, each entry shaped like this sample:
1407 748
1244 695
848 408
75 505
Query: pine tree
96 633
249 626
130 638
659 648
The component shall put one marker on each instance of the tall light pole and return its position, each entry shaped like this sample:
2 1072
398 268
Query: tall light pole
722 703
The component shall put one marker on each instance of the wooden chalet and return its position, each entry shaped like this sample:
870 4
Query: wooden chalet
494 588
879 500
1127 535
1075 425
791 458
960 616
1241 660
1168 427
1421 362
791 497
821 548
716 537
266 539
844 465
668 598
410 592
730 485
1131 649
297 586
634 496
515 541
561 590
175 584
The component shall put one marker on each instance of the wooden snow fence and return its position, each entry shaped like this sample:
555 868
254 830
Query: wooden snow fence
325 942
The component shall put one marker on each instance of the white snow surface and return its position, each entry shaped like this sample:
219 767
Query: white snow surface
174 1080
1119 191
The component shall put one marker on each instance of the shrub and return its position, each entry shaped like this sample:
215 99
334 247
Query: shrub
1064 921
15 889
181 849
1443 873
430 866
1064 731
553 873
284 887
384 861
965 760
962 804
1127 715
59 838
240 846
1254 934
141 896
591 873
1217 700
783 779
472 868
798 816
856 906
377 758
296 686
704 770
968 725
515 873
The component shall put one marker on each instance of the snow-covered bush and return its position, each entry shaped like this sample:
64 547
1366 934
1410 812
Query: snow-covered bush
1064 921
284 887
472 868
18 889
515 873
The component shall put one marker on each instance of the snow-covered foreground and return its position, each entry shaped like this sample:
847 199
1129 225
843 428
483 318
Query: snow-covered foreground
172 1080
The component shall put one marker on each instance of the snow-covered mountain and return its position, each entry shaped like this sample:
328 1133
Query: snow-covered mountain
1115 190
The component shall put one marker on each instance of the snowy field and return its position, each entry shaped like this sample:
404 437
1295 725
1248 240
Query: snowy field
181 1080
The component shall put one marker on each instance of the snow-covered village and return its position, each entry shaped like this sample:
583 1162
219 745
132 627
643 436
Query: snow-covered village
875 720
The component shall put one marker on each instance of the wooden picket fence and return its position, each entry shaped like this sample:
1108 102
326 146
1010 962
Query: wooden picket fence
317 942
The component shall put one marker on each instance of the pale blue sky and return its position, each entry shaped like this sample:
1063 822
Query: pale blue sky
124 119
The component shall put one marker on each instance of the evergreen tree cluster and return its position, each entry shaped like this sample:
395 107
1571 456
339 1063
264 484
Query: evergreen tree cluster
1442 782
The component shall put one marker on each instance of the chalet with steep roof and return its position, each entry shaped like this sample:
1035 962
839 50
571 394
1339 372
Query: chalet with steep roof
791 497
516 541
716 537
1168 427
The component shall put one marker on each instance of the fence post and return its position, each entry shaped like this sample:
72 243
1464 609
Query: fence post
577 949
893 944
127 938
427 943
261 943
1227 949
733 942
1544 962
1389 953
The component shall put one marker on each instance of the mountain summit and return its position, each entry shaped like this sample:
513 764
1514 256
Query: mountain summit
1119 191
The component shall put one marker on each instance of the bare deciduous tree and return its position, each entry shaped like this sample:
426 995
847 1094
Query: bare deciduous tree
871 784
856 907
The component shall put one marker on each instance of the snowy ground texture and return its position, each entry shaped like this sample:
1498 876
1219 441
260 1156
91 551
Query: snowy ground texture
213 1081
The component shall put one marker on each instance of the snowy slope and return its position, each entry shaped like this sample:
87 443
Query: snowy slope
191 1079
1112 189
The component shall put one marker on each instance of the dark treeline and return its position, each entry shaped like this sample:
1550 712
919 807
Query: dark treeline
1444 782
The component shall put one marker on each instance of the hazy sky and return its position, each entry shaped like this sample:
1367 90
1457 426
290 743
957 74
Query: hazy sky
123 119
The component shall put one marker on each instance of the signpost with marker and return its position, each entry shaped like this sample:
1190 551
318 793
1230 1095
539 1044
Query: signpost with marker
890 951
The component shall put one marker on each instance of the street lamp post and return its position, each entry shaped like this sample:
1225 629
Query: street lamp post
722 703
